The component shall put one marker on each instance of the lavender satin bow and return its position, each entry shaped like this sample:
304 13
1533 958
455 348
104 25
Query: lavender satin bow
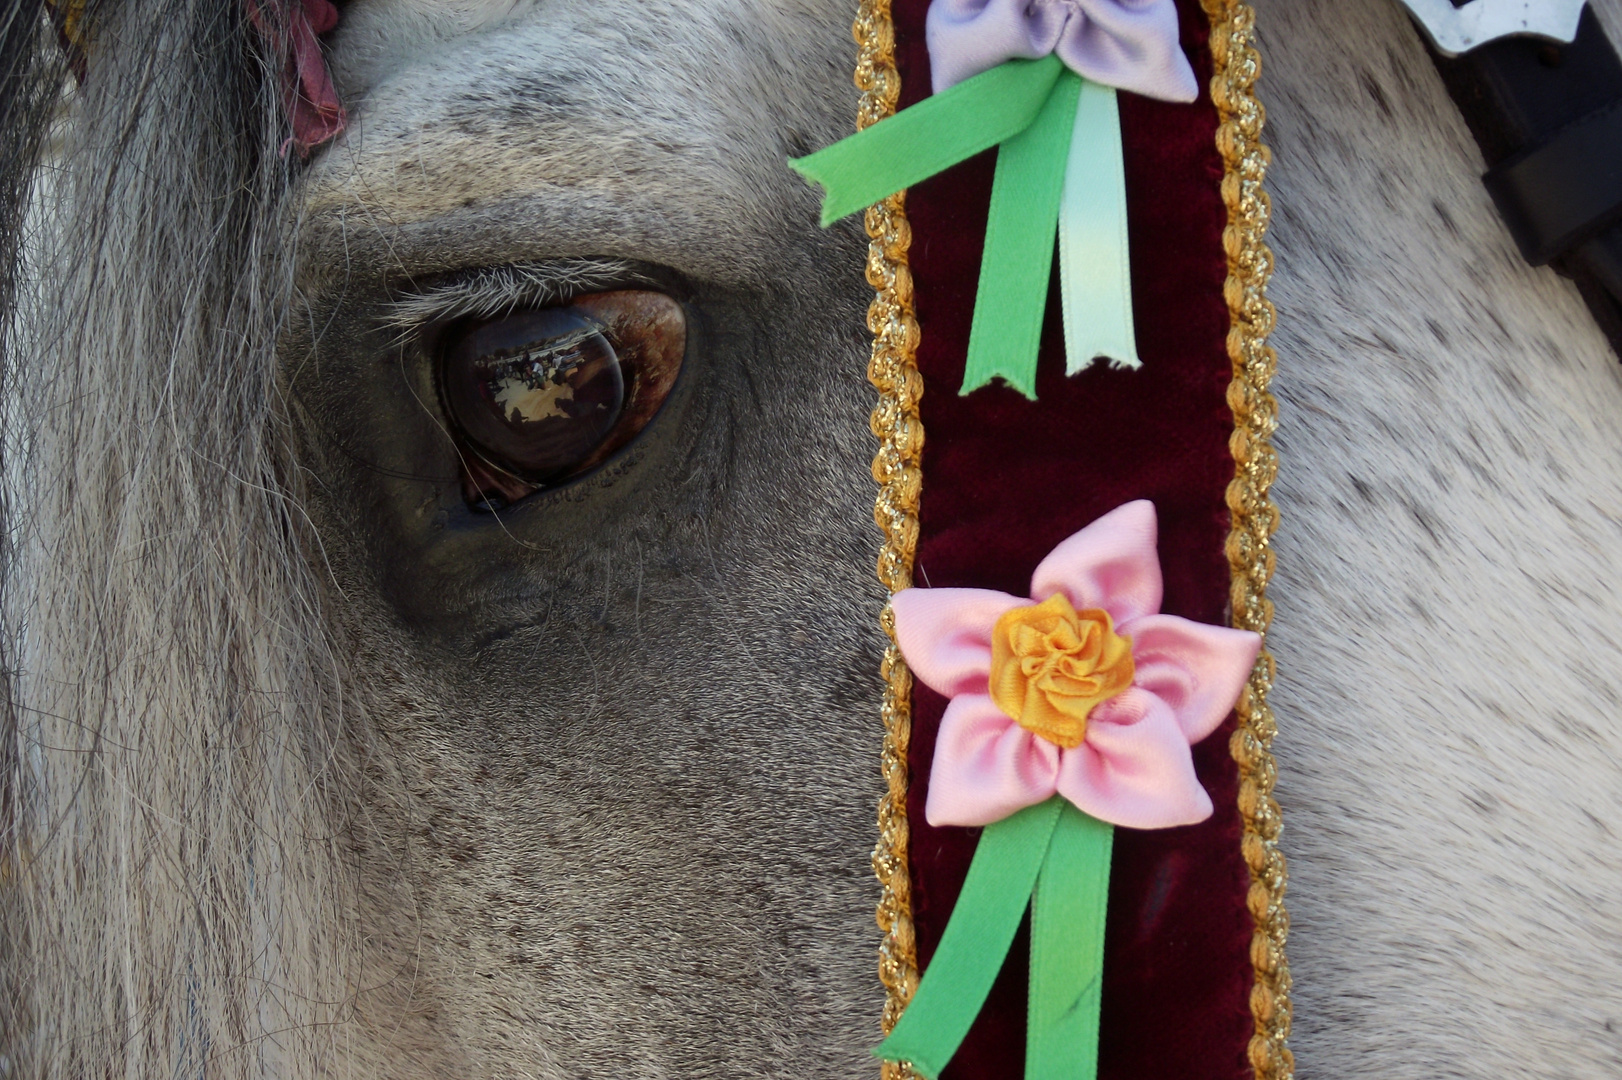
1127 44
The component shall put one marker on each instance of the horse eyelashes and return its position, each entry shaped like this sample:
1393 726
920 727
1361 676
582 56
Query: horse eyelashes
542 396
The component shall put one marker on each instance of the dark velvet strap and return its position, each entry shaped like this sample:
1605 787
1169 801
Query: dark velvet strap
1557 195
1006 478
1548 119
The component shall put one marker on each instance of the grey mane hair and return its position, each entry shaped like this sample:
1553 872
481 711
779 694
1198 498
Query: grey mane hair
487 293
171 885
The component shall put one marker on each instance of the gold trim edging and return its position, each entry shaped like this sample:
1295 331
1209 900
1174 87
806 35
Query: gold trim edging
895 423
892 369
1249 547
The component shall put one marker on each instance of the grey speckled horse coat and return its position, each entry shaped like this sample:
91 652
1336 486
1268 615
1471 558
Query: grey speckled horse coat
588 790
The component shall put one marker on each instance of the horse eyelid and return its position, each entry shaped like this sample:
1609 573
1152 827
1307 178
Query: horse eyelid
493 292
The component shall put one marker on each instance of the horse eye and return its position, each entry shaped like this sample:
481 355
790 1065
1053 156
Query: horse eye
541 396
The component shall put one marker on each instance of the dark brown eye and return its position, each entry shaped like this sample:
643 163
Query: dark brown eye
538 397
535 392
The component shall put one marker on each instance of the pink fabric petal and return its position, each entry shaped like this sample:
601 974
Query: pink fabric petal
1111 564
986 766
1134 769
1129 44
945 635
1197 670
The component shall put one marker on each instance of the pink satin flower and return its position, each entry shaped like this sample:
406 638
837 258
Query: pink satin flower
1134 767
1127 44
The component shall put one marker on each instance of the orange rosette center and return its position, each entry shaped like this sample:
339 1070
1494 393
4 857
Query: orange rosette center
1051 665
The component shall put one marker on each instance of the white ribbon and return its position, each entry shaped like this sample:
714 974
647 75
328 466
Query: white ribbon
1095 270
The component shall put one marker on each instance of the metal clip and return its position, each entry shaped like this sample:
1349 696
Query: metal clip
1455 30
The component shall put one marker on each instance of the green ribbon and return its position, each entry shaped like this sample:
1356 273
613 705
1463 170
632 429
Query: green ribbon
1062 856
933 135
1059 169
1018 257
1067 950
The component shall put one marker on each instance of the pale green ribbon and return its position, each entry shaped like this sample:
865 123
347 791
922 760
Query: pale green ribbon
1059 169
1057 859
1095 278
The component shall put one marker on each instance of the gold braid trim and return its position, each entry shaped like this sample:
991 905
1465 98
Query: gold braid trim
896 425
1250 554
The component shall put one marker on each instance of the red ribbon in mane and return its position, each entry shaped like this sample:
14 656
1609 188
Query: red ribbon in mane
313 108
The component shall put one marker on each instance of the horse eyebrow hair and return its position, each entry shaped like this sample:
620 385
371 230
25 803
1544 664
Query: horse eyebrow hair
499 290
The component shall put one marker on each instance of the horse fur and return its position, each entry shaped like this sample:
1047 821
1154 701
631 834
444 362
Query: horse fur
1450 769
173 901
298 787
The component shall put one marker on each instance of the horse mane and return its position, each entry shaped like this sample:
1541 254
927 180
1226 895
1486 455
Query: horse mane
172 889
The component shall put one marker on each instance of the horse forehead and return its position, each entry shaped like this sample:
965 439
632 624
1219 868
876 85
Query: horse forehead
381 40
591 104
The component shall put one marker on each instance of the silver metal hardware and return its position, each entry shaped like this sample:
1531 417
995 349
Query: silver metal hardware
1455 30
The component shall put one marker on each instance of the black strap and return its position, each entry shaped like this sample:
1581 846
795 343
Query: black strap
1548 119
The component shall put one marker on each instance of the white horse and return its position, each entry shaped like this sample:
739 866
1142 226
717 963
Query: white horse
315 771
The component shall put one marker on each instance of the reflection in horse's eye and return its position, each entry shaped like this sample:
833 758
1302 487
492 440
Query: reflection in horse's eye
538 397
536 392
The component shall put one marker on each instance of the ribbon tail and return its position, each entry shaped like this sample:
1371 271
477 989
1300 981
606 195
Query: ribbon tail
935 134
1095 273
982 927
1067 950
1018 259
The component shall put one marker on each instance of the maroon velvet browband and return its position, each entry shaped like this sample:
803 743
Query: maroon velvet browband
1006 479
